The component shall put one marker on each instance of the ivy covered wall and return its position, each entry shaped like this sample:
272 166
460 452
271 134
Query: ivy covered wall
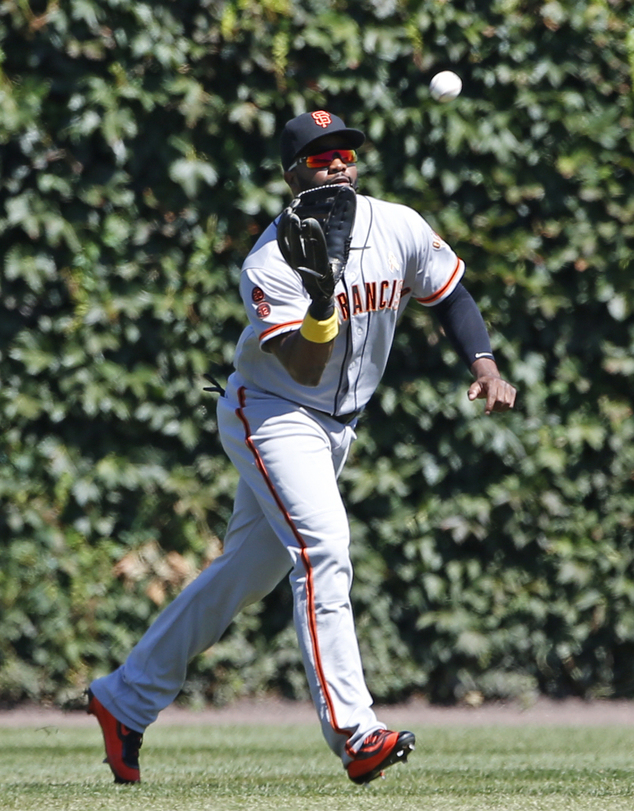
138 164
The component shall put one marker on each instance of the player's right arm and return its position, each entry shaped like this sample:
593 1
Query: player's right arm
313 236
304 360
279 310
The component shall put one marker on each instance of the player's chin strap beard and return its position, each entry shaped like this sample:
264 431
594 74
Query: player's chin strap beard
312 186
317 201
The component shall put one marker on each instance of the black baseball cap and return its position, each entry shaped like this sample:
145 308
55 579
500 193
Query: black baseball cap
301 131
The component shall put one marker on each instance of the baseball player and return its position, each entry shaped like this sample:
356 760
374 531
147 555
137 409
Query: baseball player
323 290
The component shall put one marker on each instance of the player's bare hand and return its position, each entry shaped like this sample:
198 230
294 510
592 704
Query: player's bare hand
499 395
489 386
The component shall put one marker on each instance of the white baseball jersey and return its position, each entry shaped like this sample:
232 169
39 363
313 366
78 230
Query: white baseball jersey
394 256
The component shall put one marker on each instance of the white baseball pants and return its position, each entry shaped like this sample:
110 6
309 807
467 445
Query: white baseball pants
288 515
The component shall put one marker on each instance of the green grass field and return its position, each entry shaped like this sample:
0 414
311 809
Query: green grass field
289 768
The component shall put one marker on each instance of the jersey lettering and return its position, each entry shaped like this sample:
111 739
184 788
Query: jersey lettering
370 296
382 300
357 304
395 298
388 297
342 298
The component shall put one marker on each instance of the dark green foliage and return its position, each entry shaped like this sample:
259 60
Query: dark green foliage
138 162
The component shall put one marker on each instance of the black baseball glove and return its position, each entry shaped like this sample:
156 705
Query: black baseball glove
314 235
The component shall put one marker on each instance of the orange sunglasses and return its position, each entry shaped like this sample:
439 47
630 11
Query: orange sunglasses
323 159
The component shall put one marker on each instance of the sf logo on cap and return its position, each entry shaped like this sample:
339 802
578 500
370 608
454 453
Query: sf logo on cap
322 118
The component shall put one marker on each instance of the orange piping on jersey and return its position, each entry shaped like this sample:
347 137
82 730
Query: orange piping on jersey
272 330
310 587
440 293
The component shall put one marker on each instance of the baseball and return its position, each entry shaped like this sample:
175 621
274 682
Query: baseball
445 86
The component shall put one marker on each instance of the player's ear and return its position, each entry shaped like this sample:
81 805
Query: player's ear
291 180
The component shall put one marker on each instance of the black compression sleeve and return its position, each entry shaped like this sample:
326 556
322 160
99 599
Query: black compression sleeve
463 324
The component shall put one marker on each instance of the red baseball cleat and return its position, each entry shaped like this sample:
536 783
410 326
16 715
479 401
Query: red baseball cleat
378 751
122 743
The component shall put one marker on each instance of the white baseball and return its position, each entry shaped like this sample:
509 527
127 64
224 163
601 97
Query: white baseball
445 86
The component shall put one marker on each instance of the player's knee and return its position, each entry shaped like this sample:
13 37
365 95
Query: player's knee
327 566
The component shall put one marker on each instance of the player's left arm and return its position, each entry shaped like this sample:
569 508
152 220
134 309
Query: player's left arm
464 326
489 386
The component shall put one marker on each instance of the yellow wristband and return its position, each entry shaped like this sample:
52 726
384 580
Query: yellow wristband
320 332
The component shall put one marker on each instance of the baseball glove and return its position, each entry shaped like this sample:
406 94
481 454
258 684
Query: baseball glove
314 235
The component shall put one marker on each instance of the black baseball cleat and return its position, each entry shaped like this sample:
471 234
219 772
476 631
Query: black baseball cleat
122 743
379 750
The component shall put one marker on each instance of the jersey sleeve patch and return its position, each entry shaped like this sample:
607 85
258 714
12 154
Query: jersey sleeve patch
273 296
